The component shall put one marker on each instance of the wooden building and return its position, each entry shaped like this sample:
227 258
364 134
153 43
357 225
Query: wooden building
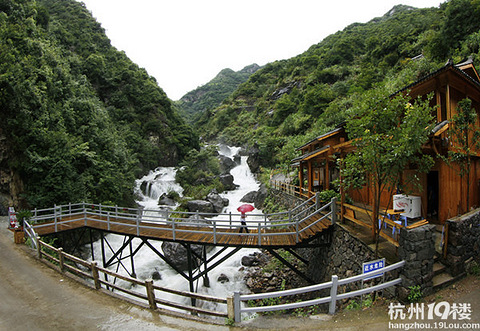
443 194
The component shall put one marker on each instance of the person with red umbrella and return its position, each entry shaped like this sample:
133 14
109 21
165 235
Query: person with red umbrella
244 209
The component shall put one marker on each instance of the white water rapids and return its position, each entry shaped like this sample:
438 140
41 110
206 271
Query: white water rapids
149 265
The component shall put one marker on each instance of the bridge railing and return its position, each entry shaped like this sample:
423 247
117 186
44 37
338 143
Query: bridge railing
226 224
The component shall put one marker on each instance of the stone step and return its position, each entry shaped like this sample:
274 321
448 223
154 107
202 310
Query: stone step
442 280
438 268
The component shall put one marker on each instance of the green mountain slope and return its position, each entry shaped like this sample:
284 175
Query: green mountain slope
209 96
79 120
289 102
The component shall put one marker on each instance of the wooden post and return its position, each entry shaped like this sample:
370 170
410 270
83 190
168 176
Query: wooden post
96 278
61 258
333 295
333 208
230 308
150 294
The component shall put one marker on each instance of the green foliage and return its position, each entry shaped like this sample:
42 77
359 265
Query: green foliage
198 172
229 322
326 196
415 294
193 105
80 119
288 102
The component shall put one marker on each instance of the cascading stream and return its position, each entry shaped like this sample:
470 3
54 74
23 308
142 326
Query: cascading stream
224 279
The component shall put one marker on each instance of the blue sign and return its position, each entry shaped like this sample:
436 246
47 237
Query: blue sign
372 266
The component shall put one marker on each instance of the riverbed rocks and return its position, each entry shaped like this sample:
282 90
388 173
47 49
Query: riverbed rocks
227 182
217 201
263 273
165 200
256 197
202 206
253 160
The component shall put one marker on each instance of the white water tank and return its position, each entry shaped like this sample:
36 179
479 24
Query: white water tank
414 207
399 203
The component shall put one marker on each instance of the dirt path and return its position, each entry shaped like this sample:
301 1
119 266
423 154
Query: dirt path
35 297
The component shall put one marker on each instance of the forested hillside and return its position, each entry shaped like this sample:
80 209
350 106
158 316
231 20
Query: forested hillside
209 96
289 102
79 121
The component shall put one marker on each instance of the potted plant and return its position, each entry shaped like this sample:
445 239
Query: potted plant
19 234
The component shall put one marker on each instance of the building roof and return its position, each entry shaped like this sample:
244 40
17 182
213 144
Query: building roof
448 66
321 137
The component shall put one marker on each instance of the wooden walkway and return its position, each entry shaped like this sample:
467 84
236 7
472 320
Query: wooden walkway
192 234
262 234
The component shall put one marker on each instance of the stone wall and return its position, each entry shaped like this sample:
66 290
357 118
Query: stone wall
417 248
463 242
343 257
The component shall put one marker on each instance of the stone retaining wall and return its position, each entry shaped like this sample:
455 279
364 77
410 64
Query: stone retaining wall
417 248
463 242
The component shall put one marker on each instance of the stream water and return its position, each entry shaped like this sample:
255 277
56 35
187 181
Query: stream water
149 265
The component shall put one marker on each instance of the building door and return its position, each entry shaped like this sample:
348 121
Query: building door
432 195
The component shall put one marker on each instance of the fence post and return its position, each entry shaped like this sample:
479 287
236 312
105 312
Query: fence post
61 258
96 278
333 295
108 220
230 217
55 216
230 308
236 307
150 293
39 248
333 208
296 231
69 208
173 229
215 232
259 234
85 213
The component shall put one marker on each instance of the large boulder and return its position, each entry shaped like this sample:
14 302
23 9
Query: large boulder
226 164
202 206
249 197
217 201
164 200
261 196
227 181
177 254
253 160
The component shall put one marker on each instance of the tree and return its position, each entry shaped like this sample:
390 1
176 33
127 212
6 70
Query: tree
464 137
388 135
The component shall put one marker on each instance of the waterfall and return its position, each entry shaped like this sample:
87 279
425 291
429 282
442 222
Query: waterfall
148 265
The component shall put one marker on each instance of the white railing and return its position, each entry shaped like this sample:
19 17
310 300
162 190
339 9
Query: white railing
332 299
291 223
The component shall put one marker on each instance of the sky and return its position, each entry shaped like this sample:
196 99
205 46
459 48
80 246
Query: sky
186 43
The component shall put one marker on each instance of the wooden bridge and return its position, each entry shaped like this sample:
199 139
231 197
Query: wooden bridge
294 228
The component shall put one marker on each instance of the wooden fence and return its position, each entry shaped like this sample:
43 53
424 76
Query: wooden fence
100 277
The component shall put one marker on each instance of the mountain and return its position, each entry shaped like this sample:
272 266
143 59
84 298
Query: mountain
209 96
287 103
79 119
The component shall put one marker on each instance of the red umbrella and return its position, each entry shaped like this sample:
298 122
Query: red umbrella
245 208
